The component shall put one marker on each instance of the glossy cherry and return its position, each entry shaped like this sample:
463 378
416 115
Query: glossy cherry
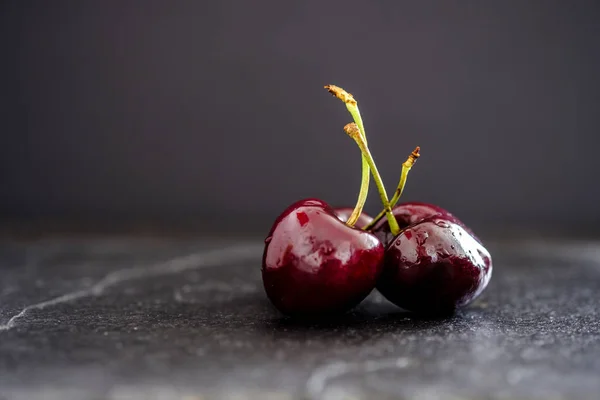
344 213
411 213
434 267
313 263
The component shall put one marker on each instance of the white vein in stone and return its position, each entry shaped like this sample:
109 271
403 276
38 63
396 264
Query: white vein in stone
237 287
211 258
322 376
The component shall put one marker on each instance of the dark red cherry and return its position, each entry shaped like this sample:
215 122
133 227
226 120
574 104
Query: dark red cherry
344 213
314 264
434 267
409 214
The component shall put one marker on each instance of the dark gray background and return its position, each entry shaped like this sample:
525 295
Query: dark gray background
214 112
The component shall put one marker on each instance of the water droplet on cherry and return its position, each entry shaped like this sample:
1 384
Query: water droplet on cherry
442 224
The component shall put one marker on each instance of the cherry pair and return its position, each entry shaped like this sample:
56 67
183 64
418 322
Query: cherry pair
319 260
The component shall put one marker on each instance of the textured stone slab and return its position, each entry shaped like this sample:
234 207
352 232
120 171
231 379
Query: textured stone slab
132 318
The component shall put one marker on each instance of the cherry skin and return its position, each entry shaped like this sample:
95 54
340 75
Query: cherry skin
344 213
315 264
410 213
434 267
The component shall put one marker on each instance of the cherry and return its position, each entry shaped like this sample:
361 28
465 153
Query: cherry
344 213
410 213
313 263
434 267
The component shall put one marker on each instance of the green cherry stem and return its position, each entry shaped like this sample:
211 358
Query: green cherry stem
352 106
353 131
406 167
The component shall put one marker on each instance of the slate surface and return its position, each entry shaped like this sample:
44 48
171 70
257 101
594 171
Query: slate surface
127 317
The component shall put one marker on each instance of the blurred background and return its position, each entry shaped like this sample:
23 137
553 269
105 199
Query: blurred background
213 115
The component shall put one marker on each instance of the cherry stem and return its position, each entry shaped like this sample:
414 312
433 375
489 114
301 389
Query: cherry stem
353 131
406 166
352 106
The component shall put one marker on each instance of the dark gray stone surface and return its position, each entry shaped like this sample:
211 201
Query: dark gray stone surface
182 318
